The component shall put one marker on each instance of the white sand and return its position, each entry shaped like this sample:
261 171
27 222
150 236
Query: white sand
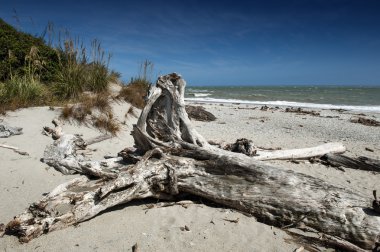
24 179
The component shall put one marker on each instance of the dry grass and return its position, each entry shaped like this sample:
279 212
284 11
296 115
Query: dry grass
131 111
99 101
135 92
107 123
77 113
67 112
83 113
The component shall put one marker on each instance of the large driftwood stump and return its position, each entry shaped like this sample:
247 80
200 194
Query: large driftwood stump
170 158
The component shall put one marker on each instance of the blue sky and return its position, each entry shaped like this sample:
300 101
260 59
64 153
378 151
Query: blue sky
224 42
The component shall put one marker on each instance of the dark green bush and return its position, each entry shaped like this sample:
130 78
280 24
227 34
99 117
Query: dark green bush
14 47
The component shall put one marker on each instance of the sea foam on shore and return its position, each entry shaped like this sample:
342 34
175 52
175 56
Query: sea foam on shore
375 109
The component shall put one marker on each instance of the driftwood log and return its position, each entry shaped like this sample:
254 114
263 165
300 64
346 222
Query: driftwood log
171 158
360 163
7 131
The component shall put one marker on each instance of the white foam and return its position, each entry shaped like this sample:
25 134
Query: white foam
200 94
288 103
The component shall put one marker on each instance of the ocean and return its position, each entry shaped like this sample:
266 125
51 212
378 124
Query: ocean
323 97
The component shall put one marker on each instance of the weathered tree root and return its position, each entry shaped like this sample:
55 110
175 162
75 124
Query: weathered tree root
176 159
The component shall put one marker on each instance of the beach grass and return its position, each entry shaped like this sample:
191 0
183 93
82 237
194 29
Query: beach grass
59 65
60 69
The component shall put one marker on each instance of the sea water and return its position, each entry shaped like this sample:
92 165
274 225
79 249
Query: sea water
324 97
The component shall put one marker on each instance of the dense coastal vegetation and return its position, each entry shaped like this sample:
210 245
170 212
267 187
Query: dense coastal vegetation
61 70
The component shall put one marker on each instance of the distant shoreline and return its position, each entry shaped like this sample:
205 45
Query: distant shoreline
319 97
374 109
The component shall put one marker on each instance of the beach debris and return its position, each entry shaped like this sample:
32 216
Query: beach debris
330 116
376 203
7 131
269 148
15 149
183 203
135 248
339 110
199 113
300 249
314 243
248 108
175 160
185 228
242 145
231 220
55 133
359 163
369 149
301 111
365 121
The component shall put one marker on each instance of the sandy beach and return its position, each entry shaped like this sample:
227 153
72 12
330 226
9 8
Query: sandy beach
25 179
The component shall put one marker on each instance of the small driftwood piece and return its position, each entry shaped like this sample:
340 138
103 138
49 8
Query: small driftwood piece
175 159
57 132
15 149
7 131
360 163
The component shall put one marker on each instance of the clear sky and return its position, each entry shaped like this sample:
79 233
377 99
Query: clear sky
224 42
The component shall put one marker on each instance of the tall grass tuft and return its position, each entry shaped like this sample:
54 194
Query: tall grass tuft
26 89
22 92
72 63
97 75
80 71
